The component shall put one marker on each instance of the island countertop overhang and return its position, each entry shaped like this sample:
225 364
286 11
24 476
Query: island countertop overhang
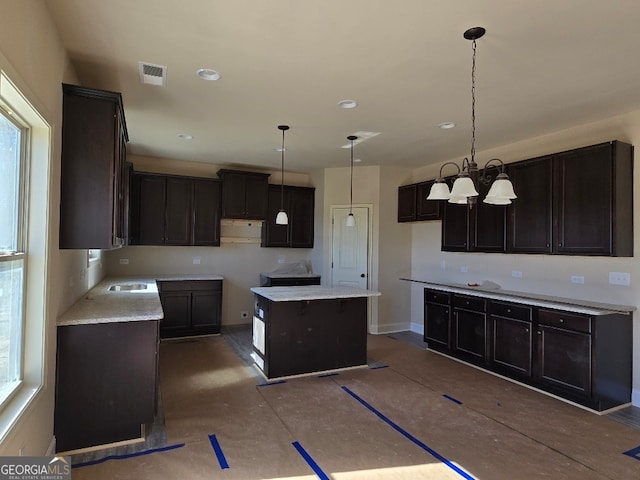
311 292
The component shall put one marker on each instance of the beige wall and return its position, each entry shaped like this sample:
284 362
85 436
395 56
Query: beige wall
390 243
29 46
544 274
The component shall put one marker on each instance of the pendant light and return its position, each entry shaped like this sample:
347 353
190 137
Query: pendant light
281 218
351 220
464 189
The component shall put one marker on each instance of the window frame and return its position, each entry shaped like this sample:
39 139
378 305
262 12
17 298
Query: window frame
20 253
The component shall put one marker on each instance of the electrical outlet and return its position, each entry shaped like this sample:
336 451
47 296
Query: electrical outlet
124 261
244 314
516 273
196 260
443 264
620 278
577 279
282 259
464 269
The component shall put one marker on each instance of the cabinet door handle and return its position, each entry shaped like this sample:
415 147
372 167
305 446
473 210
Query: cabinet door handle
539 332
526 330
562 320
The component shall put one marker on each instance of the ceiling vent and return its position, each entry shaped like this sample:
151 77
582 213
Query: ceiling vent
151 74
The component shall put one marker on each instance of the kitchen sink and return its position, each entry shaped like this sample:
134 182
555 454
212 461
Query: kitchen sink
128 287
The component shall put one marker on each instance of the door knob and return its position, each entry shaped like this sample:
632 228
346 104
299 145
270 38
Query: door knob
362 275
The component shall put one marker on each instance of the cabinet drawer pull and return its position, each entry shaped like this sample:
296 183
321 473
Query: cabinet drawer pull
539 332
562 320
526 330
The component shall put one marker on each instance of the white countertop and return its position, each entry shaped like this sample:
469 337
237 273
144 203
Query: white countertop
561 303
100 305
311 292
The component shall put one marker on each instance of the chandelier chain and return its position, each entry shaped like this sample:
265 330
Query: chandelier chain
473 103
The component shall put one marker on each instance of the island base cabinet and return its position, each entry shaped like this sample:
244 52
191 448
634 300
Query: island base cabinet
302 337
106 383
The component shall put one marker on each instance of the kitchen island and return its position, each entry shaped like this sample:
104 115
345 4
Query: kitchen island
307 329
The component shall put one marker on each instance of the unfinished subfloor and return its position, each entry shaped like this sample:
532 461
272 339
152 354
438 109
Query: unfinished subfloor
413 414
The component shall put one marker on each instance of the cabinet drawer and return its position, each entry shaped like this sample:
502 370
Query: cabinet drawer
189 285
511 310
436 296
570 321
469 303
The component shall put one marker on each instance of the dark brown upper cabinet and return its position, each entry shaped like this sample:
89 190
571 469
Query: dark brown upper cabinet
578 202
93 170
175 210
476 227
244 194
426 209
413 204
593 188
530 216
407 203
299 204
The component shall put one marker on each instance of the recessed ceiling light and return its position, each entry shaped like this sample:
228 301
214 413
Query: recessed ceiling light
446 125
185 136
208 74
347 104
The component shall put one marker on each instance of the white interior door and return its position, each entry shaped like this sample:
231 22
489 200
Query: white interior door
350 248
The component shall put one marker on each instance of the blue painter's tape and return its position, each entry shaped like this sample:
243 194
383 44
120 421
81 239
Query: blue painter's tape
334 374
218 450
310 461
378 366
454 400
268 384
128 455
634 452
419 443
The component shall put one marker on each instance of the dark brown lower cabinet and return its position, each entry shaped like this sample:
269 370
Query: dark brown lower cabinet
106 382
512 342
310 336
584 358
470 328
191 307
437 321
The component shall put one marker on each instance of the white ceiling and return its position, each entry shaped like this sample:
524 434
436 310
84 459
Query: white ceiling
541 67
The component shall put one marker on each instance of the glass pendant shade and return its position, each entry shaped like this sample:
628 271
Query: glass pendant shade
464 187
351 220
502 187
459 199
439 190
497 200
281 218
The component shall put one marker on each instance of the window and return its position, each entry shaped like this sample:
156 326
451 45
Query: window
25 164
12 255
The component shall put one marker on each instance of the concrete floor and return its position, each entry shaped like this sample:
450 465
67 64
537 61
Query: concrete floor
413 414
